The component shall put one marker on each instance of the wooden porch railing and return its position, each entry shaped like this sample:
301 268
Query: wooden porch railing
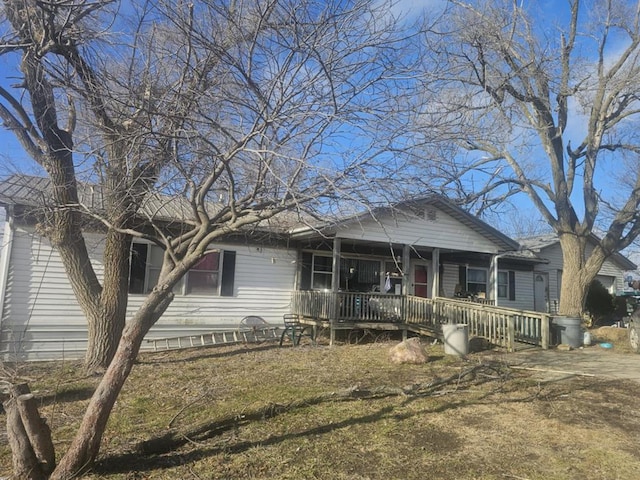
499 325
483 301
348 307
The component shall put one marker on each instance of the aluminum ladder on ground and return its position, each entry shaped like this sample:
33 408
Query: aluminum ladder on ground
216 338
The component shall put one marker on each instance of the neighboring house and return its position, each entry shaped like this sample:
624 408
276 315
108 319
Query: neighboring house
548 276
425 247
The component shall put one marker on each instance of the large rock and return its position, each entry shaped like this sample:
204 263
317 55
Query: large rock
408 351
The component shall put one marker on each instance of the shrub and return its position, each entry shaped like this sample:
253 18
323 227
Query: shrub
600 303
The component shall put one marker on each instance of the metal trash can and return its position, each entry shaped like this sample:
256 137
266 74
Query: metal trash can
456 338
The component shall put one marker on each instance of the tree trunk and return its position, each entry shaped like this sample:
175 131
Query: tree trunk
106 324
86 444
578 271
61 221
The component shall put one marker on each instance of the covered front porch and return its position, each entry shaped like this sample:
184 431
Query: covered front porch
503 327
414 267
426 248
357 266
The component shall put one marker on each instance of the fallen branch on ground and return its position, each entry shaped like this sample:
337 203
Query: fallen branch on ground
548 370
174 438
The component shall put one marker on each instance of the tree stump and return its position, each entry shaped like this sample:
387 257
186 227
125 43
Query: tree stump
29 436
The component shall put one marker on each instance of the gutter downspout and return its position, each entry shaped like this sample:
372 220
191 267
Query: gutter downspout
435 273
493 282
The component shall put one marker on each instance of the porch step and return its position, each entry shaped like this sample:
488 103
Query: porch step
225 337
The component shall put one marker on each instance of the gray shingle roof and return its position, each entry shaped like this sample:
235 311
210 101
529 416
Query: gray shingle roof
36 192
32 191
538 242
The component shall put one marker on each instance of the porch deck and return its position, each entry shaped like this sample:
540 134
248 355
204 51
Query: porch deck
500 326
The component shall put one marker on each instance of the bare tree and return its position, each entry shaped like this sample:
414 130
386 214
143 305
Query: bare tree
61 77
237 111
548 110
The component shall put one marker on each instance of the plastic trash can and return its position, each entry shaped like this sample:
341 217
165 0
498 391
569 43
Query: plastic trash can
456 338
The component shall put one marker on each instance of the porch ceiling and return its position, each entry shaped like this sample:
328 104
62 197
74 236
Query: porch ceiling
366 248
381 249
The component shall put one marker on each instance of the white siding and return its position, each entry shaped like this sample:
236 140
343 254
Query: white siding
42 319
607 282
264 280
443 232
553 254
523 292
612 277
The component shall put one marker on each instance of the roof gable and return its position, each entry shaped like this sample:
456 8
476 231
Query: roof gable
433 214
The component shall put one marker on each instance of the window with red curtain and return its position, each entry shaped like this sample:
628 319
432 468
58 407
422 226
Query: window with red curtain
204 277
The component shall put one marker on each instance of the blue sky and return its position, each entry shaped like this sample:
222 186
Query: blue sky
12 155
13 158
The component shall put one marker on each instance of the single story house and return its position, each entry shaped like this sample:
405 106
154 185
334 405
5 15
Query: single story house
425 247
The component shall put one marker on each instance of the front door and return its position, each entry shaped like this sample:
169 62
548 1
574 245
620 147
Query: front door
541 292
420 280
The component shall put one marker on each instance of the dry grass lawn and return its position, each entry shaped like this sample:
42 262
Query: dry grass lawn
263 412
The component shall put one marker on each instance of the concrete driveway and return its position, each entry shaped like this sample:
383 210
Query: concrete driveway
593 361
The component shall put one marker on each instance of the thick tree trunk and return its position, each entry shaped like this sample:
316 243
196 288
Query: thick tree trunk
85 447
61 220
106 325
103 305
578 270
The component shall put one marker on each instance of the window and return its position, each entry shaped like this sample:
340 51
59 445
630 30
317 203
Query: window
138 269
205 278
322 267
357 275
503 284
476 280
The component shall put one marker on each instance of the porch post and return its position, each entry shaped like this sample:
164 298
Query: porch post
335 286
435 273
406 258
493 279
335 266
